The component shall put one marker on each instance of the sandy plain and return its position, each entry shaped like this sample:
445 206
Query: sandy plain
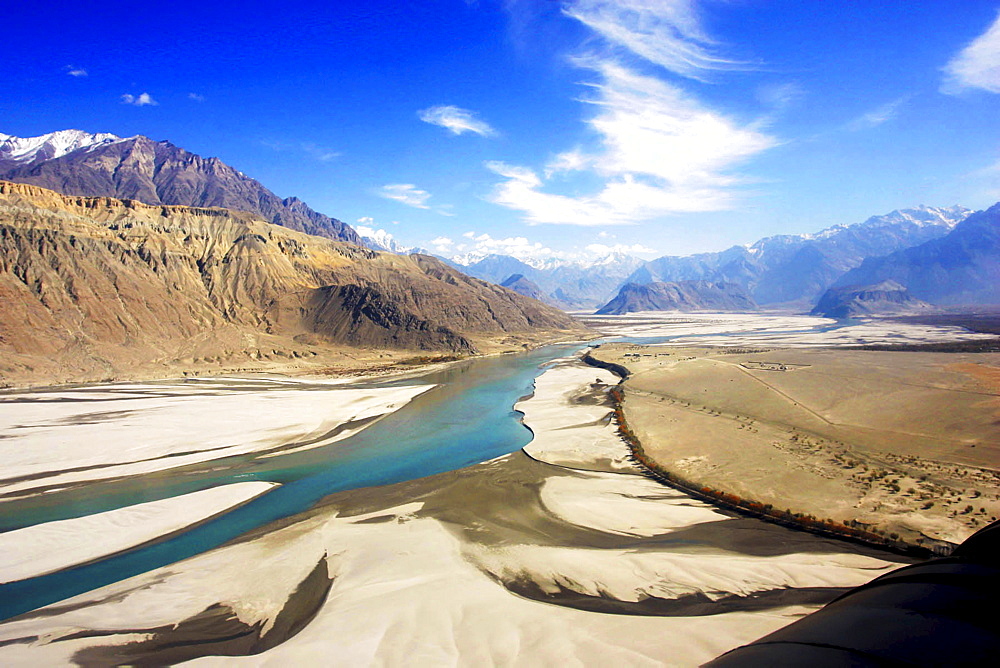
907 443
54 546
563 554
62 437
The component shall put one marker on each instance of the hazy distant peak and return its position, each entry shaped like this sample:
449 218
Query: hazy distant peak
51 145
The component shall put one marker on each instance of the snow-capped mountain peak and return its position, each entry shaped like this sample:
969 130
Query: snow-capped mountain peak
51 145
380 240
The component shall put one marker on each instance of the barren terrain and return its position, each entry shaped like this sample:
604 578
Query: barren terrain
906 443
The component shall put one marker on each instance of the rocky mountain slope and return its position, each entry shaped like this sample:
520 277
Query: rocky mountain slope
887 297
797 269
103 165
679 296
962 268
522 286
94 287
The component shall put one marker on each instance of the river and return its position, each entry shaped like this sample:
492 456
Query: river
466 418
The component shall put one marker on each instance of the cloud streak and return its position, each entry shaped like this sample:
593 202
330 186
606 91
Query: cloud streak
977 65
319 152
456 120
877 116
665 32
75 71
406 193
627 249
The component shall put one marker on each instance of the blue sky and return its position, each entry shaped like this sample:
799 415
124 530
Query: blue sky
543 128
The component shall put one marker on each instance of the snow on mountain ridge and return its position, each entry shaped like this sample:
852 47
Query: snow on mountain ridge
51 145
608 260
919 216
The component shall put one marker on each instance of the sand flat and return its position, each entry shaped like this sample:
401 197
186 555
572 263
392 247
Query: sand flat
764 329
53 546
63 437
570 418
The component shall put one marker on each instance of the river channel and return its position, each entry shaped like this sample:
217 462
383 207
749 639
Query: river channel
580 540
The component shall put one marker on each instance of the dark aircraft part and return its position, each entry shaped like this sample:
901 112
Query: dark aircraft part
936 613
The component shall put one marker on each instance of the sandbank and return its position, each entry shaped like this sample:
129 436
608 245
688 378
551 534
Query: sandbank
53 546
70 436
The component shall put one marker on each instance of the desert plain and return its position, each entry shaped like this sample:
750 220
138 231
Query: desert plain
902 442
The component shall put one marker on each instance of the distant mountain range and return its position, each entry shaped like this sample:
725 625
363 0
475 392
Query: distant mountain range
960 268
92 286
942 255
683 296
795 270
153 172
571 285
791 270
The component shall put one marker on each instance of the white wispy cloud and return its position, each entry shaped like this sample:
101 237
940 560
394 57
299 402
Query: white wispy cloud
878 115
407 193
779 96
519 247
141 100
480 245
661 152
668 33
628 249
977 65
319 152
456 120
442 244
75 71
569 161
196 97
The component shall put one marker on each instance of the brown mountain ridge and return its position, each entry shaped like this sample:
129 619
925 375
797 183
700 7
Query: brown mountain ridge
97 287
157 172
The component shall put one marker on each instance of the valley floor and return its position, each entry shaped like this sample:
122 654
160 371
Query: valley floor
562 553
902 442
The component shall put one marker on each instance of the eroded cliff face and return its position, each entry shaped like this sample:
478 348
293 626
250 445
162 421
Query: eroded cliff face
100 284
